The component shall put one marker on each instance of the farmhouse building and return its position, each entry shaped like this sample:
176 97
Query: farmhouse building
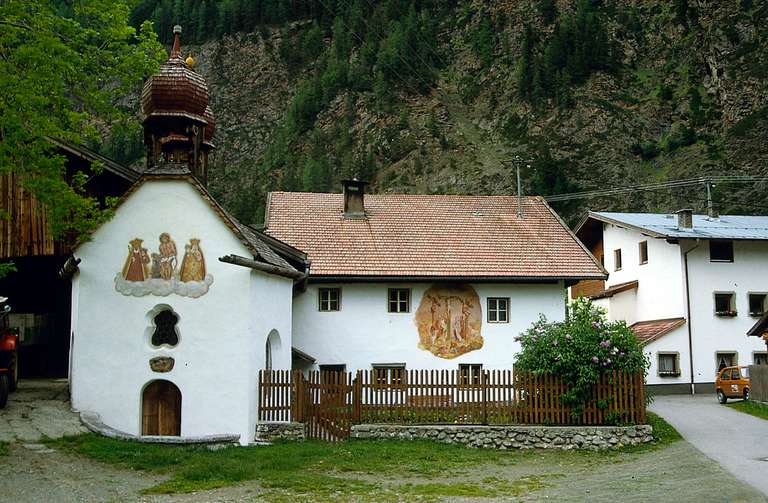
176 305
691 286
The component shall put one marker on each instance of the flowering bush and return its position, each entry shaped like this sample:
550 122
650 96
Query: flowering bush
579 350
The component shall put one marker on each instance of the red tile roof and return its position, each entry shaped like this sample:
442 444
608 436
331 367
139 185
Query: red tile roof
448 236
614 289
651 330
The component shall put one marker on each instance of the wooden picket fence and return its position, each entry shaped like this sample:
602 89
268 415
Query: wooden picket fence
330 402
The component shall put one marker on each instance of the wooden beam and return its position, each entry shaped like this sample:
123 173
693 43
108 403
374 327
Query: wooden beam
261 266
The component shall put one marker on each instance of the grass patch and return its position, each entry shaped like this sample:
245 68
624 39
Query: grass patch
356 470
313 469
756 409
4 448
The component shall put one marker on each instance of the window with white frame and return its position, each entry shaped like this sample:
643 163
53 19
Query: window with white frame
669 364
498 310
469 373
389 375
720 251
617 260
757 304
398 300
760 358
642 251
725 304
329 299
725 359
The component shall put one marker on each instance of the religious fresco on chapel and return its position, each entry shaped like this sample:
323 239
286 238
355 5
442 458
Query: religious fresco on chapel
161 273
449 320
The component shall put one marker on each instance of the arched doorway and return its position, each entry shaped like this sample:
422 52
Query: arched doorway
272 348
161 409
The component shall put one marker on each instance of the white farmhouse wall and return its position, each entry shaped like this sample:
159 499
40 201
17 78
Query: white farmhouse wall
364 333
660 292
216 358
675 342
747 273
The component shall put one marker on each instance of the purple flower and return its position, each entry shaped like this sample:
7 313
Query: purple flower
608 361
605 344
596 324
622 353
595 359
568 337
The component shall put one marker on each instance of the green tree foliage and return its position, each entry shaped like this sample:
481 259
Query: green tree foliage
483 41
548 10
580 349
61 64
578 46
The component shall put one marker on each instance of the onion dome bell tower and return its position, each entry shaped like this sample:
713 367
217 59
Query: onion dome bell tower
178 123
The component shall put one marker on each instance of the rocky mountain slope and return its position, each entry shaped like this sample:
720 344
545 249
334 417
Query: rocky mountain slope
685 94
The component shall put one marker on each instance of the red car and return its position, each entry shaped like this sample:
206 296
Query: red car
9 355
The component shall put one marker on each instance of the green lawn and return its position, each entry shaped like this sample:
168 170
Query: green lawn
358 470
755 408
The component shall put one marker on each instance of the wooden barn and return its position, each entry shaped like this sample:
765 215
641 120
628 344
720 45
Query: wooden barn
40 300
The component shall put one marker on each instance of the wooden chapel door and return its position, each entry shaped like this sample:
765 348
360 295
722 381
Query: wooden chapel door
161 409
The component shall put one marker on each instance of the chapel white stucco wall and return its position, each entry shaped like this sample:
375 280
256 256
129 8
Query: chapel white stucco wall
660 292
747 273
219 347
364 333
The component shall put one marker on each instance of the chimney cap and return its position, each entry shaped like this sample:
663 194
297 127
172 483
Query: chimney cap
685 218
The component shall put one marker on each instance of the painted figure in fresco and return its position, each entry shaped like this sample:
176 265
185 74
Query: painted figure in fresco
167 256
155 272
136 268
193 264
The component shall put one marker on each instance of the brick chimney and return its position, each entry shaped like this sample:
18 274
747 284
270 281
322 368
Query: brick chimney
685 219
354 195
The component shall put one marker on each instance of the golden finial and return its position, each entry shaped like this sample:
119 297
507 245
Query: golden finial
190 61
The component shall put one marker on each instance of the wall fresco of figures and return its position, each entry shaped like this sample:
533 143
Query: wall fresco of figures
161 273
449 319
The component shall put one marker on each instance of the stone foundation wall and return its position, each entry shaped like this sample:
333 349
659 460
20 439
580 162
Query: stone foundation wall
513 437
269 432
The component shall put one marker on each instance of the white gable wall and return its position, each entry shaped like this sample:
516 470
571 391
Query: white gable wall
747 273
219 350
660 291
364 333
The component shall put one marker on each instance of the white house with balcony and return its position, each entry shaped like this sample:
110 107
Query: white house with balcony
691 286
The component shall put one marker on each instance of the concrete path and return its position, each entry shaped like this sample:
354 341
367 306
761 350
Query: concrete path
40 407
738 441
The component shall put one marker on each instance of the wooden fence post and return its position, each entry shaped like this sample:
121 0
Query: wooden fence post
484 391
357 397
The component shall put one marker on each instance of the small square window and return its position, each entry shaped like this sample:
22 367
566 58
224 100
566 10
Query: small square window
498 310
760 358
721 251
389 375
330 299
669 364
642 249
757 304
725 304
725 360
399 300
469 373
617 260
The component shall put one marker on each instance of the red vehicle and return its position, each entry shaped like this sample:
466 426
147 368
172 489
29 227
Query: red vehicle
9 355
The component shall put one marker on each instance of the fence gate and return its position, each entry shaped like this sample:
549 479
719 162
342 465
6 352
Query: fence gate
328 404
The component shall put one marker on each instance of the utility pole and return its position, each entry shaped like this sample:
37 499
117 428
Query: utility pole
517 161
710 205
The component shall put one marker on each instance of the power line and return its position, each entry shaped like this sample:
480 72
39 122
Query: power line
657 186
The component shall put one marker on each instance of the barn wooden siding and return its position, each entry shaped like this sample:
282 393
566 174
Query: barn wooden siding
24 229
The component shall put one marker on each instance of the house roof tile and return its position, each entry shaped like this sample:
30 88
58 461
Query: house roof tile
651 330
450 236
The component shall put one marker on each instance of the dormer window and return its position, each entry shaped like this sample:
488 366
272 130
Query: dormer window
721 251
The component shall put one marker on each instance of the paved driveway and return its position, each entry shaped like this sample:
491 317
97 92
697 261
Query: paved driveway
39 408
738 441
